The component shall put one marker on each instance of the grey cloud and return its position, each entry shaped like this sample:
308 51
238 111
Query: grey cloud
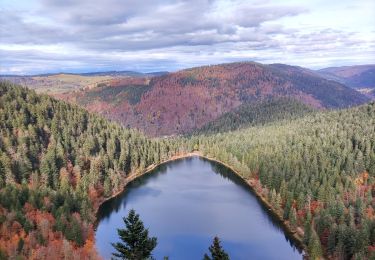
135 25
161 33
14 29
322 40
95 12
252 16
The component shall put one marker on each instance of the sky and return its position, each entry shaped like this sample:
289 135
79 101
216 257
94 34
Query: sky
46 36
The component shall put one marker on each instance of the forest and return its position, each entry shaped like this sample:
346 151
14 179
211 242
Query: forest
58 163
258 113
317 172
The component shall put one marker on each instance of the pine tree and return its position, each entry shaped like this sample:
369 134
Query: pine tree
293 217
136 244
307 233
332 239
217 252
314 247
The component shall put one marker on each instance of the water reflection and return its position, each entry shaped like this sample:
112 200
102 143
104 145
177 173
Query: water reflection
184 203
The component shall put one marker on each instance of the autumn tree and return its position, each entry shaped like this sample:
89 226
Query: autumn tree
314 247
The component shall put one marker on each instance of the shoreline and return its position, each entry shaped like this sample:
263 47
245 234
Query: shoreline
248 182
135 175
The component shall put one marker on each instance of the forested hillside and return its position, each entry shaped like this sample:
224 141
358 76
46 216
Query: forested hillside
57 163
186 100
258 113
318 173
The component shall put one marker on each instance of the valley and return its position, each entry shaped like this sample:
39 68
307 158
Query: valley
360 76
312 167
187 129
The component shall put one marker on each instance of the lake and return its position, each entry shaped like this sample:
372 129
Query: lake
185 203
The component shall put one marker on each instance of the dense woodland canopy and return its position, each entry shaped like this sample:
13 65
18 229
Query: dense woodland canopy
58 163
259 113
317 172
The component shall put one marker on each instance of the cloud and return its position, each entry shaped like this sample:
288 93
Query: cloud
129 25
93 33
96 12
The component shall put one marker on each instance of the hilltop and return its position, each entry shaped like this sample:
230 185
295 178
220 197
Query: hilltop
182 101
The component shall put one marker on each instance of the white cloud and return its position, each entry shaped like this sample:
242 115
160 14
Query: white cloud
55 35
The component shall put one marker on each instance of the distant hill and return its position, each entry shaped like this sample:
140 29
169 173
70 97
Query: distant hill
55 83
362 76
179 102
58 83
124 73
128 73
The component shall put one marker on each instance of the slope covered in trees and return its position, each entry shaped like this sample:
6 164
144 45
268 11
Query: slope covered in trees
180 102
57 163
258 113
317 172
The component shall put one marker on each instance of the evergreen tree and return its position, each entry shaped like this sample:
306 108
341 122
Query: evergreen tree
293 218
136 244
217 252
307 232
314 247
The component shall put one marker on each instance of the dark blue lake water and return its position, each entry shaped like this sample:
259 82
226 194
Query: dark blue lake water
185 203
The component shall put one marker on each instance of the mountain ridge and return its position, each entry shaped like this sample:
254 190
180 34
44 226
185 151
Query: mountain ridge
182 101
179 102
